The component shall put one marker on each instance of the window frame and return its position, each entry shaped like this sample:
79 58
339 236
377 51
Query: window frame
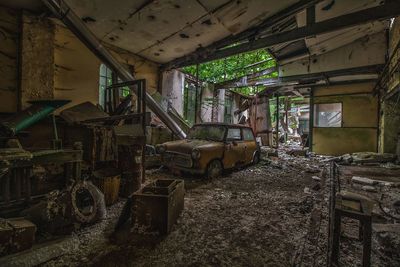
234 140
324 103
252 133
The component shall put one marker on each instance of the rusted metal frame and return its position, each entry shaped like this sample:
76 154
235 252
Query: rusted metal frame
332 204
384 11
267 23
287 80
251 76
76 25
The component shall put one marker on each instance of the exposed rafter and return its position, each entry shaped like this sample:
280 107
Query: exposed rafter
385 11
251 33
310 79
244 79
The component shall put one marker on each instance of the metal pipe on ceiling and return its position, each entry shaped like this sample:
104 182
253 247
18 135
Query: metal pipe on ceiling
76 25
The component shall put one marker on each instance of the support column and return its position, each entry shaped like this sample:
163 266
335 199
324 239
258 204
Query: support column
277 120
311 125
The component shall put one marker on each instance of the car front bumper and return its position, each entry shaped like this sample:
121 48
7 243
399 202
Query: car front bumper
180 161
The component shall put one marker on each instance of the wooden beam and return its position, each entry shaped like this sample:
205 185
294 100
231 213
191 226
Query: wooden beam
384 11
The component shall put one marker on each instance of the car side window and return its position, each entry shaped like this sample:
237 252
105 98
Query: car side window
233 134
248 134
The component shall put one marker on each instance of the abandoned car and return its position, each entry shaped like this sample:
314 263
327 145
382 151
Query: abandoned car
211 148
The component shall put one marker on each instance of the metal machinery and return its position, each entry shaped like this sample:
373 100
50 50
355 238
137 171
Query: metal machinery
19 187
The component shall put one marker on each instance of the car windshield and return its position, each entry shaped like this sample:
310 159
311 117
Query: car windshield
207 132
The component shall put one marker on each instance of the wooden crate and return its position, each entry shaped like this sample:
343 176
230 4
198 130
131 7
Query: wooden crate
24 234
108 181
157 206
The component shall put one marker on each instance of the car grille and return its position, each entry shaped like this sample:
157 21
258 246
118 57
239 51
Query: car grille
182 160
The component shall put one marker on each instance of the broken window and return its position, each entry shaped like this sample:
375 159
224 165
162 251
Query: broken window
328 115
234 134
104 81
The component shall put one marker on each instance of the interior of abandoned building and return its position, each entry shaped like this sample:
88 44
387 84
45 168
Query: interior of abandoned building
199 133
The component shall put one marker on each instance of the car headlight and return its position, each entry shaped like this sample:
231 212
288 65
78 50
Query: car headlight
195 154
160 149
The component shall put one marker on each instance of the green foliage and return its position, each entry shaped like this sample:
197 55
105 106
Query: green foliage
233 67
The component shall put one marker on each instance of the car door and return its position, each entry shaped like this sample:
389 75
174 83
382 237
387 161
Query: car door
234 148
249 143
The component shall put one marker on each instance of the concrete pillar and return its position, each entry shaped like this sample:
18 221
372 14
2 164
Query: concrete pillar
207 98
172 89
221 105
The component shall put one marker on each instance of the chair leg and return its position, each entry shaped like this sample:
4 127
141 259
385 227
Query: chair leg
336 237
367 236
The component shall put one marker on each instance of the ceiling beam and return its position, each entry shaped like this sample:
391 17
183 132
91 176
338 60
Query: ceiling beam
385 11
249 77
250 33
308 79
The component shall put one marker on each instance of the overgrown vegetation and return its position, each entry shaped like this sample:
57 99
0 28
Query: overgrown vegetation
235 67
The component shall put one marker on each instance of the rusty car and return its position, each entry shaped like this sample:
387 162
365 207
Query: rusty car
211 148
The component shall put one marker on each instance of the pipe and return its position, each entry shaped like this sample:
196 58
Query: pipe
75 24
39 110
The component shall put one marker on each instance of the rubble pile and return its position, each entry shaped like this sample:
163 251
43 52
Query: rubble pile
272 214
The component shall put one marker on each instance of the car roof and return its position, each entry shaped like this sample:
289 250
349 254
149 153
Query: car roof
222 124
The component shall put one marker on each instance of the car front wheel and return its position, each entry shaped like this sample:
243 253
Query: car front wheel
256 158
214 169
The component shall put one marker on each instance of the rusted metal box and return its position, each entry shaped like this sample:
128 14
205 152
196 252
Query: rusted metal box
6 233
157 206
23 234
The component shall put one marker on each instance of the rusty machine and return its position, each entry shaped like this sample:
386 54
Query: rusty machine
51 168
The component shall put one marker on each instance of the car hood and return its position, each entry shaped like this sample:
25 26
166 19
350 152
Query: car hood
186 146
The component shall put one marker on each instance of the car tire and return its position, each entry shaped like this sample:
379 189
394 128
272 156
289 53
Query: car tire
256 158
214 169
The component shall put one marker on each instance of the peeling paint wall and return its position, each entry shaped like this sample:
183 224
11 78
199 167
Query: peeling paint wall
37 59
9 37
76 69
142 68
359 120
172 88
